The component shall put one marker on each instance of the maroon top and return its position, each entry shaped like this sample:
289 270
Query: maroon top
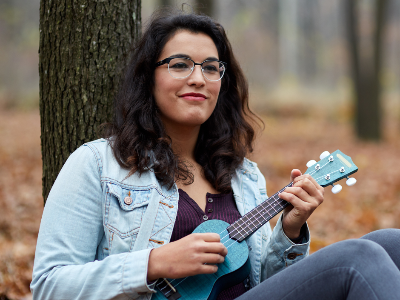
190 215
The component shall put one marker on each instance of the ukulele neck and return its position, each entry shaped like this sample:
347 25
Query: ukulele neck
257 217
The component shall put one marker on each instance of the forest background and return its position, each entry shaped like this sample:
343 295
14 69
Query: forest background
295 56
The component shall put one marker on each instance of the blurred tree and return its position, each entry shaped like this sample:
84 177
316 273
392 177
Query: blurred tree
200 6
366 68
288 40
82 44
166 2
205 7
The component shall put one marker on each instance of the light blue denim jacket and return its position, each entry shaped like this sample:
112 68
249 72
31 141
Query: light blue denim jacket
92 245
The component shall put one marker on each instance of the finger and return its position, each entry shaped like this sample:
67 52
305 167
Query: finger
310 179
210 258
308 184
299 197
295 173
208 237
215 247
207 269
292 199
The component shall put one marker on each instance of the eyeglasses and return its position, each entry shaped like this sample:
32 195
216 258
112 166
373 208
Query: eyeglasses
182 67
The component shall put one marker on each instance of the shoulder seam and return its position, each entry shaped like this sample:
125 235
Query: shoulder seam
97 158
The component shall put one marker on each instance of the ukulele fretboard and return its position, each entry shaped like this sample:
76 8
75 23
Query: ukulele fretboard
257 217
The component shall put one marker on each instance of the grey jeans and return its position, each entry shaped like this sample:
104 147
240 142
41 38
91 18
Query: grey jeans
365 268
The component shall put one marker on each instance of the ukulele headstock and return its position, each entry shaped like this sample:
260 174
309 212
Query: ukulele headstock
331 168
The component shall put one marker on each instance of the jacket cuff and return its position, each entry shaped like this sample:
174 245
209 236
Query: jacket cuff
287 250
134 274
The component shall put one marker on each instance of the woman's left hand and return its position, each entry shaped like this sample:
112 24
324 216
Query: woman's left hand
304 196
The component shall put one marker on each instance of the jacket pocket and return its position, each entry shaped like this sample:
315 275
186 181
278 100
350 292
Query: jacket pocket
124 209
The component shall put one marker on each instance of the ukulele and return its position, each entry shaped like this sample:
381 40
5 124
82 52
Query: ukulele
236 267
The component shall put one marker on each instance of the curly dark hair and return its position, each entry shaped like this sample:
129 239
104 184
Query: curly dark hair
139 140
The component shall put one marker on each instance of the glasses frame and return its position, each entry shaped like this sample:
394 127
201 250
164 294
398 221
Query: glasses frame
168 59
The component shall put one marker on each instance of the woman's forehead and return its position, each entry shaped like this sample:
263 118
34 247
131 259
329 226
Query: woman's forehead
193 45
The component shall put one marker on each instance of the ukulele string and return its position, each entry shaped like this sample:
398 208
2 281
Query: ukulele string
259 212
225 243
251 221
274 202
270 205
264 211
323 176
183 279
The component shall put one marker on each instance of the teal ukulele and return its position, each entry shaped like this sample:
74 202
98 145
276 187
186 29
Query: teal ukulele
236 267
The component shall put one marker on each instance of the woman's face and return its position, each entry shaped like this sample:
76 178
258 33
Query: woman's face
190 101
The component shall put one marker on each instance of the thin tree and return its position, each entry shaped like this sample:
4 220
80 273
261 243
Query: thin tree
166 2
288 40
200 6
206 7
366 68
82 44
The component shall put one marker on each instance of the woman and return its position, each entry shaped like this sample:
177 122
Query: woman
121 212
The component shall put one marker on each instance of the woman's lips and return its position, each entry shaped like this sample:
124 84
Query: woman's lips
194 97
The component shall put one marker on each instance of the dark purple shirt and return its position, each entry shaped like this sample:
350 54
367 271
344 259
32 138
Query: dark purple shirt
190 215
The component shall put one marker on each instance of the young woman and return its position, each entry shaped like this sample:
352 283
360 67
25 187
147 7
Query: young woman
122 210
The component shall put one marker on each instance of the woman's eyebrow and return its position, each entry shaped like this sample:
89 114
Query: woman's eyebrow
212 58
188 56
181 55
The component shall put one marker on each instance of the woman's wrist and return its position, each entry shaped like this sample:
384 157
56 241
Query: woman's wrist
301 235
152 269
292 234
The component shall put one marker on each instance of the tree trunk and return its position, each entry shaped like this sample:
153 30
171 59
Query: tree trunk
366 68
82 46
166 2
205 7
288 40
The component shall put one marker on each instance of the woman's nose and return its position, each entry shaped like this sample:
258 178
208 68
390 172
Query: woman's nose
197 77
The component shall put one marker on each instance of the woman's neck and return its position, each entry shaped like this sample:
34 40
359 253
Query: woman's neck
184 141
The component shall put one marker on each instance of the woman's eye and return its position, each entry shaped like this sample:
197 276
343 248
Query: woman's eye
210 68
179 65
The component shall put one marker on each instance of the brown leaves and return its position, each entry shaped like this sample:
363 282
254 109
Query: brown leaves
372 203
20 199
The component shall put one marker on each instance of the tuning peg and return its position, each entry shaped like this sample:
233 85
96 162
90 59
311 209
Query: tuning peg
336 188
351 181
324 154
311 163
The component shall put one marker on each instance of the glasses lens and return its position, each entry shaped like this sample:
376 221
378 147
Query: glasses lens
213 70
180 67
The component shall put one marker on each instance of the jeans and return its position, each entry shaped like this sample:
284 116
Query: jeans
365 268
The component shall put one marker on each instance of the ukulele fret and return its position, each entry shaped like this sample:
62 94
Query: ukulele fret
257 217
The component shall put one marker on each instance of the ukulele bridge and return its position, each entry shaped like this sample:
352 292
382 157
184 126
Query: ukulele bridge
167 289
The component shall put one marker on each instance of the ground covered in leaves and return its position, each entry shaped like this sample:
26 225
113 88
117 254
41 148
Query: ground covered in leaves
289 140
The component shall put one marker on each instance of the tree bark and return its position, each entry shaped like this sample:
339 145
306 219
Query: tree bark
82 46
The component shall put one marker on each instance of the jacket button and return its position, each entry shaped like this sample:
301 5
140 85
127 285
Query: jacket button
205 218
292 255
128 200
210 210
210 200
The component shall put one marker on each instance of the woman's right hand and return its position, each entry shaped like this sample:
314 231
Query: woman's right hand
197 253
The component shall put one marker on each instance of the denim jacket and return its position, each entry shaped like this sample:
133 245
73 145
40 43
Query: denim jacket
93 244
